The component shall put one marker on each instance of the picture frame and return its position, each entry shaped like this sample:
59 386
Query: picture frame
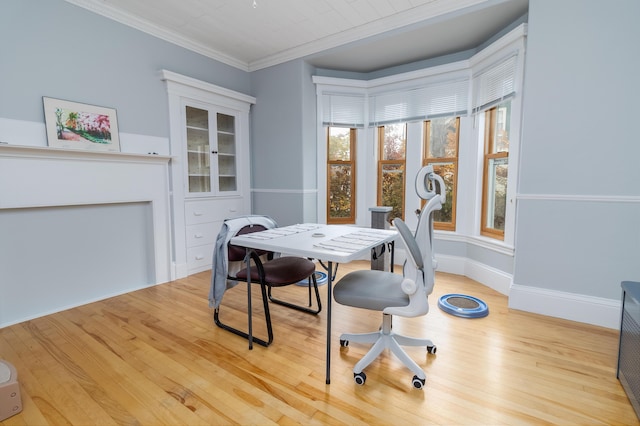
74 125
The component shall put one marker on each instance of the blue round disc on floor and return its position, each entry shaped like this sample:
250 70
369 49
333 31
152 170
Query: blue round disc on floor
461 305
321 278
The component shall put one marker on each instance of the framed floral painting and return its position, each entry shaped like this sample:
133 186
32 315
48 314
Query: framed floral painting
74 125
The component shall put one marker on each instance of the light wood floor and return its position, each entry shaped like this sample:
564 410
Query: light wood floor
155 357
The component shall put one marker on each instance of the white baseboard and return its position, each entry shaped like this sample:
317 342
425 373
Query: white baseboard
180 270
486 275
575 307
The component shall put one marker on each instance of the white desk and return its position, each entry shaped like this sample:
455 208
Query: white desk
329 243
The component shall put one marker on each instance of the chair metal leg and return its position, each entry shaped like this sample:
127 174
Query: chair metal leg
383 339
312 280
249 336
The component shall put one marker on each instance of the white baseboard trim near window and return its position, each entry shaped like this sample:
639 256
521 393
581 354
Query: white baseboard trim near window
575 307
486 275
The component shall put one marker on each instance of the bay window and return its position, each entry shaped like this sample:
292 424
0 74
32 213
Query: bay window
462 118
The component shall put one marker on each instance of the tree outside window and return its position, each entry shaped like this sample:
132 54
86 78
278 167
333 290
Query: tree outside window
496 168
341 196
441 136
391 168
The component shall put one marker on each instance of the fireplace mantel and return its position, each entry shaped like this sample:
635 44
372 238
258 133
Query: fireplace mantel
48 183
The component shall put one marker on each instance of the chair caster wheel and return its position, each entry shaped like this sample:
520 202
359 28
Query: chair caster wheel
431 349
344 343
360 378
418 383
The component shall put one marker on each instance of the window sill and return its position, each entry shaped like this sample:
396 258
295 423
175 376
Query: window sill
477 240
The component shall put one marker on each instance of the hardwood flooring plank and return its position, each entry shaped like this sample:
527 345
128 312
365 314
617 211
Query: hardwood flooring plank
154 357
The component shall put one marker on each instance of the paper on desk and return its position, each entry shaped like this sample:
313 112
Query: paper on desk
353 242
281 232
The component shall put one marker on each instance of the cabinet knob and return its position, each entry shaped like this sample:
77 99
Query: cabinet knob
214 152
197 213
199 257
197 235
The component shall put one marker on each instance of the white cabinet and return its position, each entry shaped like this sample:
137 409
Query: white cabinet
210 171
212 165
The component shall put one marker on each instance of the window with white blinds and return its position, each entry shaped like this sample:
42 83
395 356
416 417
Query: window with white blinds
343 110
430 101
494 84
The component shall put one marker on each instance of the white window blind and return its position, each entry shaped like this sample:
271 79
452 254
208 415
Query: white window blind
495 84
343 110
442 99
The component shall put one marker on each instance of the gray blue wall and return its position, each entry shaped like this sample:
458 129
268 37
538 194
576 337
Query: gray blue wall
283 148
578 222
578 225
53 48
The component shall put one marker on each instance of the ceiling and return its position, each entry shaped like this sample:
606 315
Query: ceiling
348 35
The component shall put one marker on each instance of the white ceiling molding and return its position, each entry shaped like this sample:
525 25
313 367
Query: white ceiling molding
259 40
421 13
101 8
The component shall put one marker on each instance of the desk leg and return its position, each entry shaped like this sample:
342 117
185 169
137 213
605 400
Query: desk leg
329 300
247 259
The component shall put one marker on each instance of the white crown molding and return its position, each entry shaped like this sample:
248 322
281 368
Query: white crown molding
179 83
432 10
511 42
107 11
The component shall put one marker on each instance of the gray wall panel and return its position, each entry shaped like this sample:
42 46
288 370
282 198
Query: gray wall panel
581 92
582 247
580 141
283 148
53 48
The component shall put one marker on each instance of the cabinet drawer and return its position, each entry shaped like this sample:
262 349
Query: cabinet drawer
199 258
202 233
202 211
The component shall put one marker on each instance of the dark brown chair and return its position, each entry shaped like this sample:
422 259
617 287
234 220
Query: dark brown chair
269 271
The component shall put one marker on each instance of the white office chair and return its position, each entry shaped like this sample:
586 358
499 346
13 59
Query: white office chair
393 294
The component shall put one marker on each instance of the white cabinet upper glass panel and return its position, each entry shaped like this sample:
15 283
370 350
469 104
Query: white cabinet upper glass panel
226 152
211 154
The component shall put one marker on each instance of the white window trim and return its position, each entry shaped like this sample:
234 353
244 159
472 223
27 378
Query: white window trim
470 160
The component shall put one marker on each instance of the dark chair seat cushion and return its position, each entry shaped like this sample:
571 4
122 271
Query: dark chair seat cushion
281 271
373 290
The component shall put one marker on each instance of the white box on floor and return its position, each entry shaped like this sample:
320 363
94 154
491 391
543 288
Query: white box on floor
10 401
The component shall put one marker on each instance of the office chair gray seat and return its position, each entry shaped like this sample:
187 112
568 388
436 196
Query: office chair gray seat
393 294
373 290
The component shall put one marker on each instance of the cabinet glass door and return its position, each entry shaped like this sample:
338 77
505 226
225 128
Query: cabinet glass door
198 149
227 171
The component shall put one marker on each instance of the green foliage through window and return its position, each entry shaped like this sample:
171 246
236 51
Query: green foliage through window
441 151
391 168
340 175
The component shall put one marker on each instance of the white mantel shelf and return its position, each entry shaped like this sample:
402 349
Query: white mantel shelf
48 152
